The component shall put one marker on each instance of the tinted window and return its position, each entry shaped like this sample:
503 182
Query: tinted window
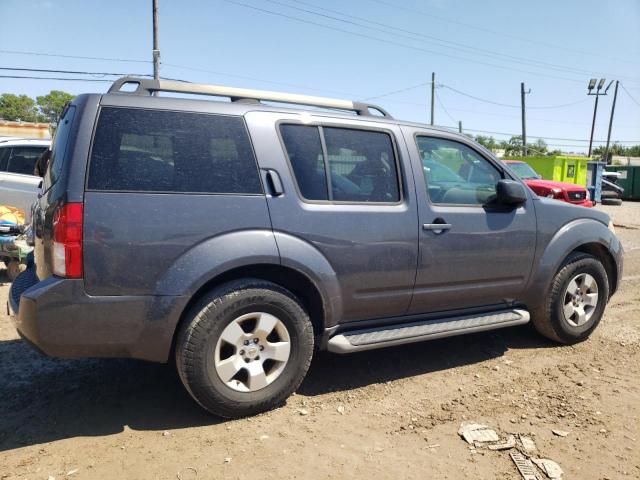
361 164
456 174
4 158
59 147
305 154
162 151
23 159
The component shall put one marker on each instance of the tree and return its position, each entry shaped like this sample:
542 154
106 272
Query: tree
51 105
538 148
18 107
487 142
514 147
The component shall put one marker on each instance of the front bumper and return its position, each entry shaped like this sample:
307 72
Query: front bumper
584 203
58 318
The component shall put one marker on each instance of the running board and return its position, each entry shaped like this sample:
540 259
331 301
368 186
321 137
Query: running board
370 338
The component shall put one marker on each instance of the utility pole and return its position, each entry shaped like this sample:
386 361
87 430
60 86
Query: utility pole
459 126
592 85
156 51
433 94
524 123
613 109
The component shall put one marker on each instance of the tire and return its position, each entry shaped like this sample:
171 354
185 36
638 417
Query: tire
611 201
609 194
204 356
551 321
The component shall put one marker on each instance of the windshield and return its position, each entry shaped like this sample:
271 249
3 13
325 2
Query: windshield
524 171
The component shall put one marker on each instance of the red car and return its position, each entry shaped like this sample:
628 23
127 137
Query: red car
567 192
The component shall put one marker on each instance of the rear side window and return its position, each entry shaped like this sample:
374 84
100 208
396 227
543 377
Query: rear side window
351 166
59 147
4 158
162 151
23 159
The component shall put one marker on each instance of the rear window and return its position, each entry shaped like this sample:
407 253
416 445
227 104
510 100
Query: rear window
162 151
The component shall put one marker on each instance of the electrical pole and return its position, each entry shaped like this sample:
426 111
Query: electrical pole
459 126
433 94
156 51
593 123
524 123
592 85
613 109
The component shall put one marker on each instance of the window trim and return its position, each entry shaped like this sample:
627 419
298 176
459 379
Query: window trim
504 173
171 192
319 125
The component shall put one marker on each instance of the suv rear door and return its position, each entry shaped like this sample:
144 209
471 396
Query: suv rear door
360 213
483 255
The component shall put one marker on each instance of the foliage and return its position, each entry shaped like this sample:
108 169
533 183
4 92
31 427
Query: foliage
47 108
618 149
51 105
18 107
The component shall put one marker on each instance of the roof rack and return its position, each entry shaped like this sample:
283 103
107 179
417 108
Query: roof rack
145 86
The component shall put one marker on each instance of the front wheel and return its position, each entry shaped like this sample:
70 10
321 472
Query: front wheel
245 347
579 293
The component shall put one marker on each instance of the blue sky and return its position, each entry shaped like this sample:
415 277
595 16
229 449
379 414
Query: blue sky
481 48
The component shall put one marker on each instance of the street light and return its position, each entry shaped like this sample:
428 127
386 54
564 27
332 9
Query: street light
590 87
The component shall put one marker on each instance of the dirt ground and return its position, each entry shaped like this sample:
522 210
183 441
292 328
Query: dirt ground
390 413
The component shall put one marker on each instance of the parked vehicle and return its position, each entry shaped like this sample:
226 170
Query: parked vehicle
567 192
18 184
234 237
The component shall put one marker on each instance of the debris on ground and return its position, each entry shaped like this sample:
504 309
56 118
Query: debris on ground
476 432
528 445
340 409
524 465
559 433
303 411
549 467
72 472
510 442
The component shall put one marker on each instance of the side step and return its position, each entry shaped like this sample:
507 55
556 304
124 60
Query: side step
370 338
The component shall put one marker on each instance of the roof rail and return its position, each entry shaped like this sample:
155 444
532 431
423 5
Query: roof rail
145 86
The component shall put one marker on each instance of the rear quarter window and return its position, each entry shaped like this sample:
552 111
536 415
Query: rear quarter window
59 147
163 151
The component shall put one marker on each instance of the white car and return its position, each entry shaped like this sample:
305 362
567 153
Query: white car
18 184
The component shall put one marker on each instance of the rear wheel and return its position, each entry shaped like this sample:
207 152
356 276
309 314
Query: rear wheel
576 302
611 201
14 268
244 348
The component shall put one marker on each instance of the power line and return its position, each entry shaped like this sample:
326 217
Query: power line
394 43
439 41
630 96
57 78
499 33
42 54
509 105
444 108
80 72
402 90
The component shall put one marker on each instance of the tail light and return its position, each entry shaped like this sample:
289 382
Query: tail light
67 241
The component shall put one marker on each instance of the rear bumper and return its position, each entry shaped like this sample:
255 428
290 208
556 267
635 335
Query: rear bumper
61 320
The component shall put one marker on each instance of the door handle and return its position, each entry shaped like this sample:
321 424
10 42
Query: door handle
273 179
436 227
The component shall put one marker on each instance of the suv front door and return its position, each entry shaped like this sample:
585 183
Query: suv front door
483 253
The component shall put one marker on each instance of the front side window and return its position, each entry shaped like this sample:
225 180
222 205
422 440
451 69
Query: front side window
355 166
163 151
23 159
455 174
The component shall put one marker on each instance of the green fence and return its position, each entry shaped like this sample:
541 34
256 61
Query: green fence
559 169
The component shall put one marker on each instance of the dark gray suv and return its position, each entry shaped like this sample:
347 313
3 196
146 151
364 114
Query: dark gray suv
233 237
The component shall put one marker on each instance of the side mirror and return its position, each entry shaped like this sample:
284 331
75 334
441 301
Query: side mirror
510 192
